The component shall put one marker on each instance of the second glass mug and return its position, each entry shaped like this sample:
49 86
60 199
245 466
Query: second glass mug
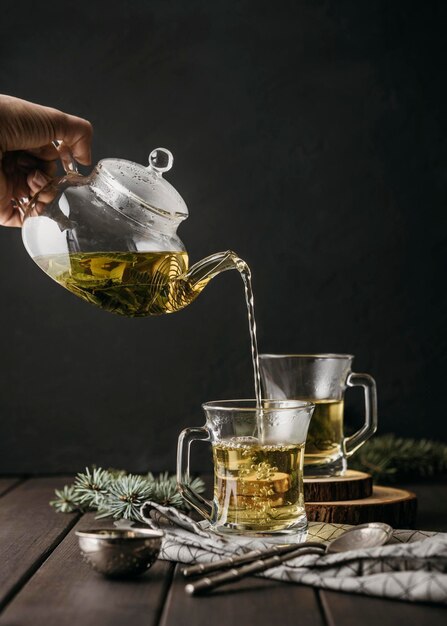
258 466
323 380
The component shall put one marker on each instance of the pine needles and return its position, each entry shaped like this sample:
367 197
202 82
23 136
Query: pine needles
119 495
389 458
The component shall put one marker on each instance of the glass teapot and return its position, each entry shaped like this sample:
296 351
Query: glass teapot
111 237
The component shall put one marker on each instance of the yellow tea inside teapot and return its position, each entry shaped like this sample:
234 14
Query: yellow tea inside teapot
135 284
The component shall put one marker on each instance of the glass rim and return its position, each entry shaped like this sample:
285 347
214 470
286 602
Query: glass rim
322 356
235 405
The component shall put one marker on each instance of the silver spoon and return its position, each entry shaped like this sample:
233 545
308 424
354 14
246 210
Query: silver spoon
362 536
248 557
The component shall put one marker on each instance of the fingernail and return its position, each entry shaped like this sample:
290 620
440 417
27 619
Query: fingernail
39 179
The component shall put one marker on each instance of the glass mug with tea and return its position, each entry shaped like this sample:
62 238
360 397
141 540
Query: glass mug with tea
323 380
258 458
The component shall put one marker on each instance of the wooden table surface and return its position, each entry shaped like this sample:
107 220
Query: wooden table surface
44 582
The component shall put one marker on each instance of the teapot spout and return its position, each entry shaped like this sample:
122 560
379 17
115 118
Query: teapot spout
200 274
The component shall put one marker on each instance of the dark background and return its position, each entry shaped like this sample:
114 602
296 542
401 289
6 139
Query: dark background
310 138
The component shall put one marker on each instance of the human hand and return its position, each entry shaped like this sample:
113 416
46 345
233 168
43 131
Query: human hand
27 156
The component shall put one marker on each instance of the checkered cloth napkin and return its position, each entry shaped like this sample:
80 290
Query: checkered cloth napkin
412 566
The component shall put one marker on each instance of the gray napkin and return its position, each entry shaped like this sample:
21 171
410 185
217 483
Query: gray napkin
412 566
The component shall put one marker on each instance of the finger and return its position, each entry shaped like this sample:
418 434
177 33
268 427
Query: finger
36 208
47 195
20 187
39 183
76 133
11 216
26 175
29 126
37 180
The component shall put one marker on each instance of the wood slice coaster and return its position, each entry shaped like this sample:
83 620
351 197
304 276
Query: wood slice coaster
352 486
395 507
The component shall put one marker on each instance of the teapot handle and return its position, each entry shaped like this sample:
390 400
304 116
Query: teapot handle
66 157
69 165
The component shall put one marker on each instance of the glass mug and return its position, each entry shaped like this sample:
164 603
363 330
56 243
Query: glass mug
258 465
321 379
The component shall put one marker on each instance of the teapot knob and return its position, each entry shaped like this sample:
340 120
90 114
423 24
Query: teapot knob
160 160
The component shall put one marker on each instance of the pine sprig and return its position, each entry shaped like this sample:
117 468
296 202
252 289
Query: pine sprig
92 487
125 496
66 500
165 489
389 458
114 493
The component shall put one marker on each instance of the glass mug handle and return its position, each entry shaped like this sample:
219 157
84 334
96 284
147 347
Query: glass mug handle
198 502
353 443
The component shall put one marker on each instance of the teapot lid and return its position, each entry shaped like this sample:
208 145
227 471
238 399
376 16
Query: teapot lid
139 186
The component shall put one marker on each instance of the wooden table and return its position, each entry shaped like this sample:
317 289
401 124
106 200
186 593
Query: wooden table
44 582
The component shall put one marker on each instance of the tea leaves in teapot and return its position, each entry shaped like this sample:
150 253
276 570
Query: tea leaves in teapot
134 284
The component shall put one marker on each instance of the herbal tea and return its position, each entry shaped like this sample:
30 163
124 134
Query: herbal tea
258 487
135 284
325 433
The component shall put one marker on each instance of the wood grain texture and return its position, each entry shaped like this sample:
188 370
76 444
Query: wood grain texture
29 530
396 507
352 486
7 484
66 591
347 609
250 601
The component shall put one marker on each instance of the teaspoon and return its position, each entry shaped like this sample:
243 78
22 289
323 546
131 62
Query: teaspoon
362 536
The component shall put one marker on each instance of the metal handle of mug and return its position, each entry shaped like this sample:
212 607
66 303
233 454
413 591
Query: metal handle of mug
353 443
198 502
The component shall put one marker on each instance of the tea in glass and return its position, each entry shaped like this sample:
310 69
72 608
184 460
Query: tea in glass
258 453
321 379
325 434
259 487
